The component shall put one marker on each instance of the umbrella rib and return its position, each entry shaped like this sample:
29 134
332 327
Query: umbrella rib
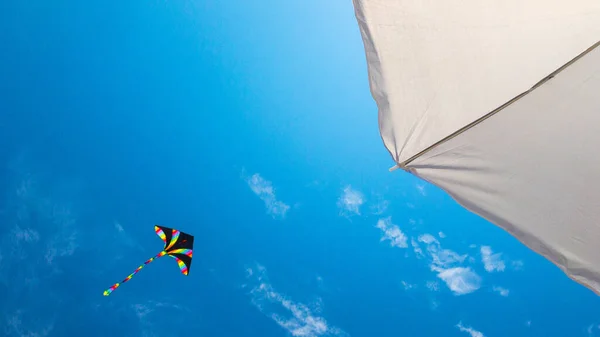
404 165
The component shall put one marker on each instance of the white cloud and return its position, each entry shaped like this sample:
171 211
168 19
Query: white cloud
502 291
492 262
428 239
441 258
441 235
265 191
350 201
319 281
63 243
406 285
142 310
421 189
148 312
433 285
444 258
469 330
26 234
434 304
460 280
123 237
446 263
298 319
14 326
380 207
317 184
517 265
591 328
42 226
36 225
55 233
392 233
418 251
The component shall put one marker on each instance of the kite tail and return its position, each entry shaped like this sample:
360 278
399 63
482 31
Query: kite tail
116 285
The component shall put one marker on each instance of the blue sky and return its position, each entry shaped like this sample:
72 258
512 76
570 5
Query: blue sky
251 126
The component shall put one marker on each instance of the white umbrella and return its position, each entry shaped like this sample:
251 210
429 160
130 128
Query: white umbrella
497 102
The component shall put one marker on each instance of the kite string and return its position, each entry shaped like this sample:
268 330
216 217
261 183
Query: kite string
116 285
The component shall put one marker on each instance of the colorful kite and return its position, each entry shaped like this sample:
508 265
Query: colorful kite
178 245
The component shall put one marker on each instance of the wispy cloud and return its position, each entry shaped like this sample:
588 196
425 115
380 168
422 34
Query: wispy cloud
441 258
591 329
265 191
406 285
460 280
296 318
491 262
43 227
148 311
36 229
380 207
122 236
320 282
392 233
28 235
433 285
469 330
502 291
14 326
421 189
517 265
427 239
350 201
142 310
64 242
447 264
418 251
318 184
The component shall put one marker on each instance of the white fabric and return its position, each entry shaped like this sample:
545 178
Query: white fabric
532 168
436 65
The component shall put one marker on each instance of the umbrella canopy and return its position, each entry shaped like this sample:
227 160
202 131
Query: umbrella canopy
498 104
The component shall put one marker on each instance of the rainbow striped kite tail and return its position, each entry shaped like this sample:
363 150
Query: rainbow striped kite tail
111 289
116 285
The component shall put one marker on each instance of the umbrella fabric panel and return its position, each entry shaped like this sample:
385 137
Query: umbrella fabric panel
533 168
436 66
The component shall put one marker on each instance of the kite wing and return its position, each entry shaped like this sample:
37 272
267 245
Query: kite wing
178 245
